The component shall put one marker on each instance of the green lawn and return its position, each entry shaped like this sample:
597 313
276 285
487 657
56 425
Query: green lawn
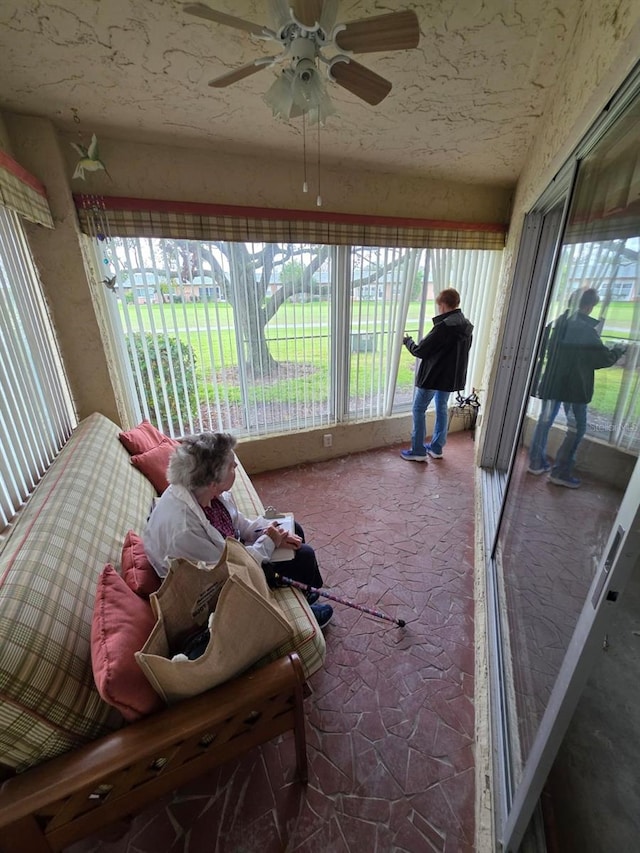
606 389
619 321
298 333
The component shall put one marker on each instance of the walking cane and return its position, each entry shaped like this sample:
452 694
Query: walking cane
306 588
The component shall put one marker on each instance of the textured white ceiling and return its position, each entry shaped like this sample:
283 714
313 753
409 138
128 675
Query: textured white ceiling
464 104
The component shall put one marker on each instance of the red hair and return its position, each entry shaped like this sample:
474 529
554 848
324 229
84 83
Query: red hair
448 297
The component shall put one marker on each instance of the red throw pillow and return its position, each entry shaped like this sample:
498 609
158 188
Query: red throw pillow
138 573
153 464
142 438
121 623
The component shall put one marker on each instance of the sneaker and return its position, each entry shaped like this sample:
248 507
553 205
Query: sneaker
323 614
312 597
544 469
410 456
567 482
432 453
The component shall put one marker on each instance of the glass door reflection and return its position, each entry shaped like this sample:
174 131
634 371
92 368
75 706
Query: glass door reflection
559 510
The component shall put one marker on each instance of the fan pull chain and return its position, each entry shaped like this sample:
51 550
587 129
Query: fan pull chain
305 187
319 197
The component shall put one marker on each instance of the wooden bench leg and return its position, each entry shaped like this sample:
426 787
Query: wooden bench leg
301 738
299 723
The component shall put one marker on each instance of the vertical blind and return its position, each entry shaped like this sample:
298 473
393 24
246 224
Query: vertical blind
36 414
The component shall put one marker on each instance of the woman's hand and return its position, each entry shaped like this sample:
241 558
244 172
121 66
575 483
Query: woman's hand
292 541
276 534
282 539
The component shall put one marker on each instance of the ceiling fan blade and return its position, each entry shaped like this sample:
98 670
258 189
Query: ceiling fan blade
395 31
238 74
307 12
202 11
360 81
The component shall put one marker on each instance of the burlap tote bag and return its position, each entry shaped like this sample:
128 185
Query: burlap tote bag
245 623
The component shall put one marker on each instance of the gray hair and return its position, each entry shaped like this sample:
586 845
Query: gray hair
200 460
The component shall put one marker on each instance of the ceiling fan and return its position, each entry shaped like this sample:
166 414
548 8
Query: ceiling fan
304 30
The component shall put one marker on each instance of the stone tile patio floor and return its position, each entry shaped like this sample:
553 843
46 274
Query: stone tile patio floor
390 720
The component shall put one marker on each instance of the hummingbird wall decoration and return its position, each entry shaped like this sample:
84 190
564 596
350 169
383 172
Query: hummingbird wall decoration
89 159
110 283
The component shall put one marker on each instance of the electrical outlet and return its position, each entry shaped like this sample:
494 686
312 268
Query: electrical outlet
327 440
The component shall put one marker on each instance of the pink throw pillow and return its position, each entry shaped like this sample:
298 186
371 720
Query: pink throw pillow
121 623
153 464
142 438
138 573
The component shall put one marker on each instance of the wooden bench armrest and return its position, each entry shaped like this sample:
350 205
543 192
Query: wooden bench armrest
74 794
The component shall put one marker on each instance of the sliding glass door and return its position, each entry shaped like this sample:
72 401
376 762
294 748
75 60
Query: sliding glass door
568 529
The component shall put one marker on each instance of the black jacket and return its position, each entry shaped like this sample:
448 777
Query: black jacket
575 353
444 352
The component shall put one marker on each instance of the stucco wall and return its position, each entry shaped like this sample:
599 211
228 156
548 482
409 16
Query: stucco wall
199 175
283 451
5 145
61 268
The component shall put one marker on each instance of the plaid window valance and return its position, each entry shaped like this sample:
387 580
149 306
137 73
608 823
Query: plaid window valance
22 193
127 217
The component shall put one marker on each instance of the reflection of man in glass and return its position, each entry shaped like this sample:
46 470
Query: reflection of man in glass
575 353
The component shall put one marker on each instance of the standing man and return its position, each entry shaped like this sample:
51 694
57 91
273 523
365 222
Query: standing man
575 353
552 333
444 356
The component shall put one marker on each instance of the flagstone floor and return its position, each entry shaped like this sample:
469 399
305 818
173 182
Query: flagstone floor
390 720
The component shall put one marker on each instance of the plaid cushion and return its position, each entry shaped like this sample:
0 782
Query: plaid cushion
308 640
245 495
72 525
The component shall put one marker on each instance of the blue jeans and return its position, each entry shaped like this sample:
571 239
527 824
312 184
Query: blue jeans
538 448
576 428
421 399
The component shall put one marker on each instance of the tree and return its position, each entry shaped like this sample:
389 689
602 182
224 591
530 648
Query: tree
244 271
258 278
292 273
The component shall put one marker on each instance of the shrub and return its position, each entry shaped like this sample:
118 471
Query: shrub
168 350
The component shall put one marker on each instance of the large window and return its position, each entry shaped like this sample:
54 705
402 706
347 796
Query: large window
270 337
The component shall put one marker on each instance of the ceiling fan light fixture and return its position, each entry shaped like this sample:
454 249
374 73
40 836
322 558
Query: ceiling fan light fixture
279 96
280 13
310 94
300 91
322 110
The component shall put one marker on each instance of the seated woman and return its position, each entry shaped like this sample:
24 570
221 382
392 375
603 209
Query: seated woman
196 513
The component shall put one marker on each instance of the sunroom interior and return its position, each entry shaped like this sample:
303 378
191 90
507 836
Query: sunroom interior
505 163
